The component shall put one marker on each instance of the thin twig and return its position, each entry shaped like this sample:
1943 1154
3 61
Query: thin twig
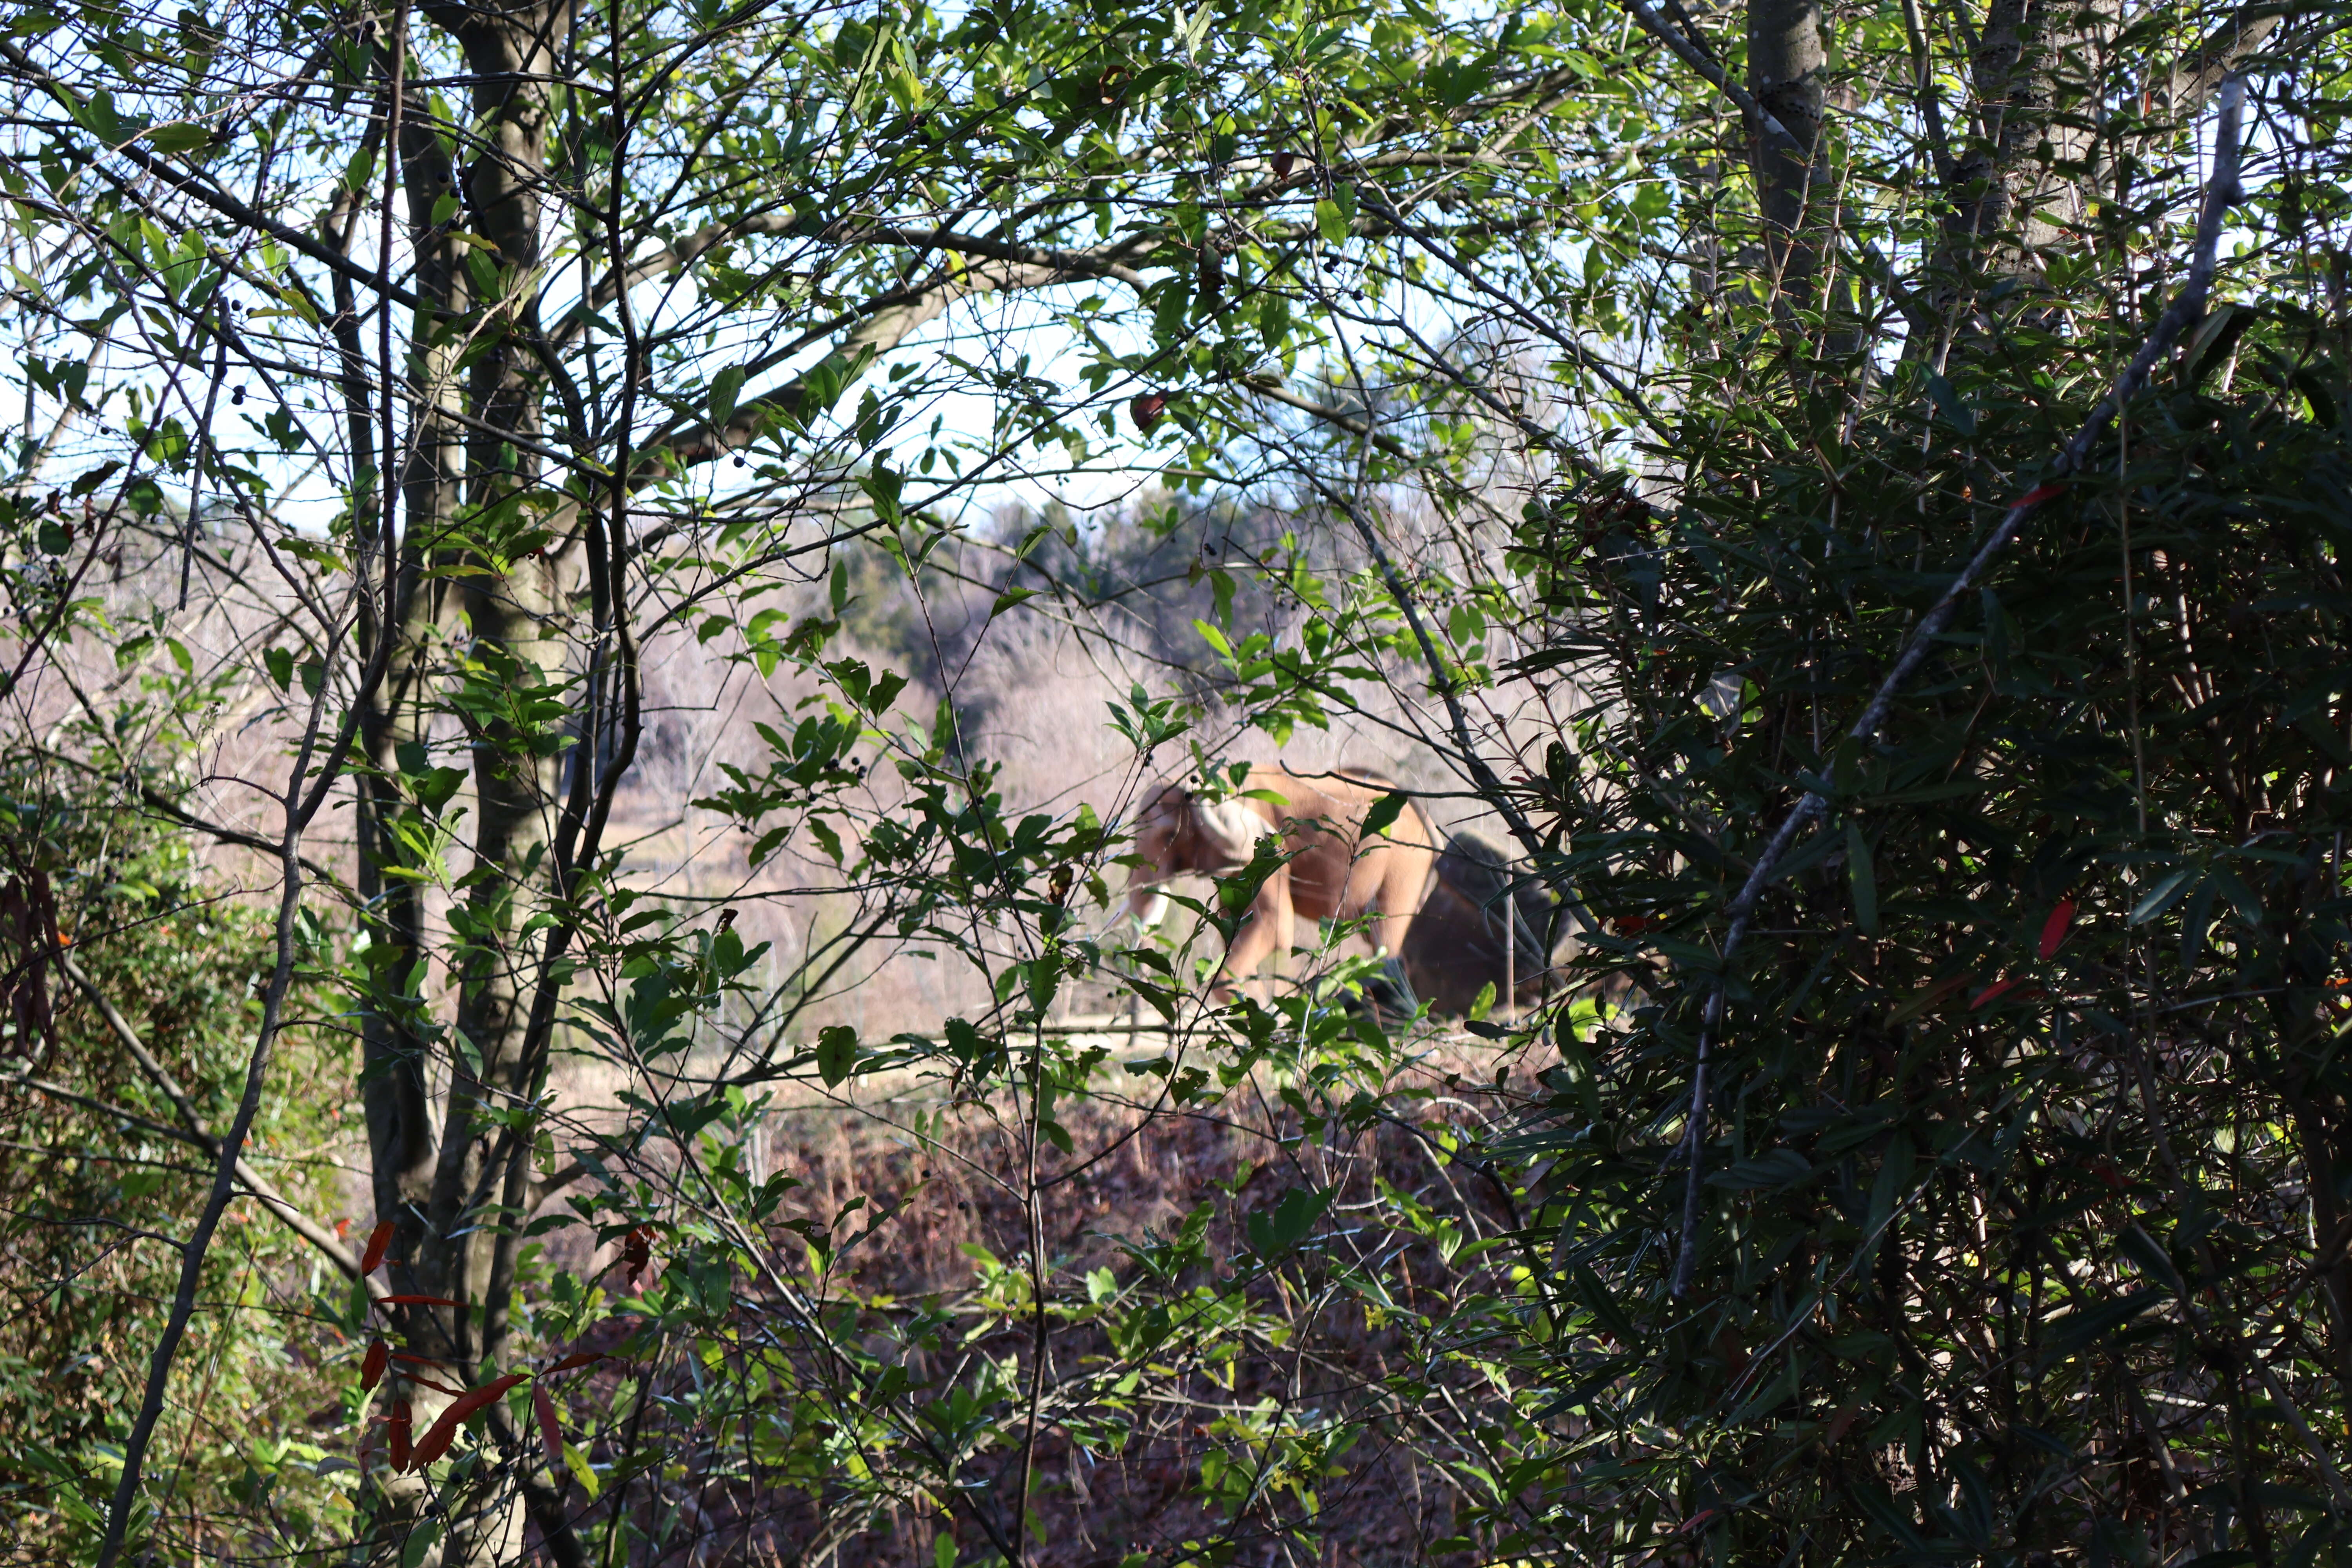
225 1178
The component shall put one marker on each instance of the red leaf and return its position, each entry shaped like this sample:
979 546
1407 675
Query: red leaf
1996 993
379 1242
577 1358
551 1431
2055 928
434 1442
464 1408
372 1365
637 1256
396 1436
483 1397
412 1374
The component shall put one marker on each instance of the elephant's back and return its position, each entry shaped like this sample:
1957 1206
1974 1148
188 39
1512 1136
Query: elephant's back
1347 794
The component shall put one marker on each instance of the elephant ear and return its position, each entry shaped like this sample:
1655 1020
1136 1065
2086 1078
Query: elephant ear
1163 811
1229 832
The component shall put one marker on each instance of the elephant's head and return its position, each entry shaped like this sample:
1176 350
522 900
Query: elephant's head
1177 832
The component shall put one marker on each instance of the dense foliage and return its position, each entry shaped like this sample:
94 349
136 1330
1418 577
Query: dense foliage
96 1162
2020 1213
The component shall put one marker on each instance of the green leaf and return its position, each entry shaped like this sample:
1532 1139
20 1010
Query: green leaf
1775 1170
179 137
1385 812
1276 1232
2248 904
433 789
576 1460
1330 222
2160 897
2148 1254
96 114
2077 1330
1237 893
2195 923
1956 413
1594 1292
280 663
1864 880
836 1053
725 387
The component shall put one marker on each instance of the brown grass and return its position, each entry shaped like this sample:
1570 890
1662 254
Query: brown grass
1134 1174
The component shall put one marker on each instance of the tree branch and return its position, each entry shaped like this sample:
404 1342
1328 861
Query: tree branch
2196 75
893 320
1699 61
220 201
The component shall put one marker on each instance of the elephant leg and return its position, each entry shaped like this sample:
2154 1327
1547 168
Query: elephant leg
1402 881
1286 933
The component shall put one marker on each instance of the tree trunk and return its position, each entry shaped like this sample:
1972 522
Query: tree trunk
2033 66
443 1189
1787 63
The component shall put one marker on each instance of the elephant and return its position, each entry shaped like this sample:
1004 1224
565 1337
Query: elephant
1456 946
1330 874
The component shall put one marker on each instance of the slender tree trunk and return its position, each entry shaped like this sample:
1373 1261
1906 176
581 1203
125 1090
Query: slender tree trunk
2016 185
447 1191
1787 64
397 726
